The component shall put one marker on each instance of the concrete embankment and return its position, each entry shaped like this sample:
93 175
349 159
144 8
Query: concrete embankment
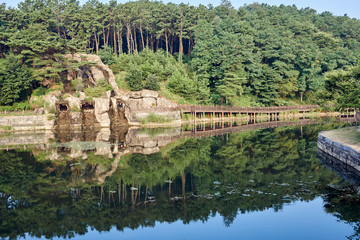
341 144
25 123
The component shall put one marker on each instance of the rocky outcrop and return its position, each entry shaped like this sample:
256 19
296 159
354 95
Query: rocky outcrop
102 111
95 72
136 105
143 103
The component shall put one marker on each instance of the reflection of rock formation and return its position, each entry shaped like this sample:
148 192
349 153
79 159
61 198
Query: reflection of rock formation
103 149
148 141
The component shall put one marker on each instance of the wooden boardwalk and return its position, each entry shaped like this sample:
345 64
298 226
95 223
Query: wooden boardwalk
197 111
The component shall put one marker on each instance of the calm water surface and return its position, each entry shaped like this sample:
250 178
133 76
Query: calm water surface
265 183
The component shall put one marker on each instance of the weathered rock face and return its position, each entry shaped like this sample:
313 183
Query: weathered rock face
102 111
145 102
99 71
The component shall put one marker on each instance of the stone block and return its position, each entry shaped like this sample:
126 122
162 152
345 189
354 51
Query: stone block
149 94
136 95
148 103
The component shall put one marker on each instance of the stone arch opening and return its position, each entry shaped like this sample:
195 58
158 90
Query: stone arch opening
87 106
63 107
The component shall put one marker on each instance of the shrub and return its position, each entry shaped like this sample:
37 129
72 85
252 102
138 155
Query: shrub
97 91
75 108
103 83
94 91
134 78
38 102
107 56
52 110
152 82
122 61
40 91
17 107
15 80
77 85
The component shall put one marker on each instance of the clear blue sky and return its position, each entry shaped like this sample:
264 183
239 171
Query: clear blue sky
337 7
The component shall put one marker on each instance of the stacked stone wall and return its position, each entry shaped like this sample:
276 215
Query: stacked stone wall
27 123
340 151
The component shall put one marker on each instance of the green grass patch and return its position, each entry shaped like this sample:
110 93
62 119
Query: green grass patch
99 90
121 82
38 102
350 135
154 118
75 108
52 117
6 128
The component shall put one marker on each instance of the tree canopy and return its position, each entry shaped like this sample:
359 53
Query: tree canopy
255 55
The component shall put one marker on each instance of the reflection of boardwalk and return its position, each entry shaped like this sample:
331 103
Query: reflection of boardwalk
225 111
221 128
138 139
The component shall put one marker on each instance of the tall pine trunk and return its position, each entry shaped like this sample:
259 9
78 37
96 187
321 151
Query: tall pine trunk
119 35
189 50
166 43
97 38
104 36
142 36
132 42
181 47
135 42
108 35
128 32
172 45
115 47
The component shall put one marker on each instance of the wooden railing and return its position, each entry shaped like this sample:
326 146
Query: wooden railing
206 108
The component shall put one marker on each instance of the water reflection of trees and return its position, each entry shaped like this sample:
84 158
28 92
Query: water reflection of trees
190 179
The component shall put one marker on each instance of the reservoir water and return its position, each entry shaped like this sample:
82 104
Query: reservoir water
264 182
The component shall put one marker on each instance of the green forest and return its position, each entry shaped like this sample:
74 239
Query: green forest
257 55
